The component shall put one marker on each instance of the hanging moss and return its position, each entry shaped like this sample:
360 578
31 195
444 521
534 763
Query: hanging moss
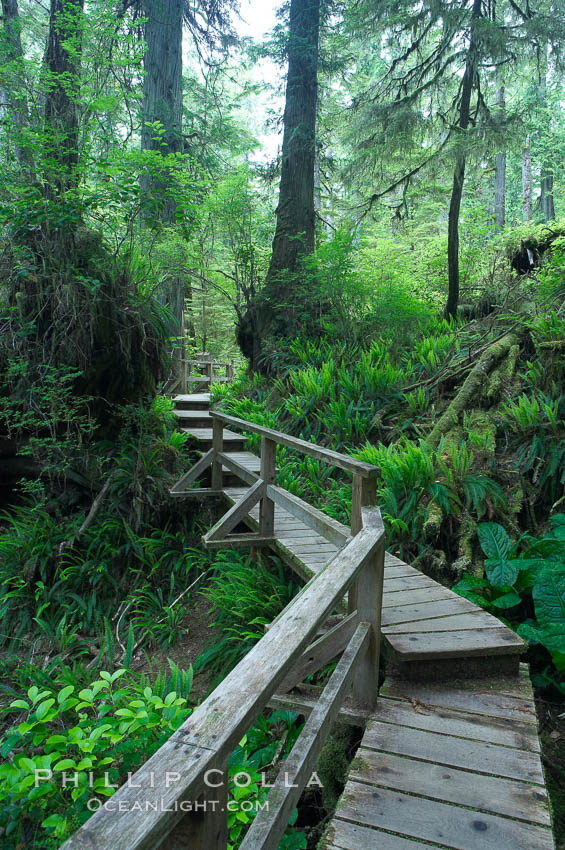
433 521
470 392
502 377
465 562
71 303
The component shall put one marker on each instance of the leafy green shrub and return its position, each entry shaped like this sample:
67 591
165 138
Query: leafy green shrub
65 588
526 582
259 754
97 734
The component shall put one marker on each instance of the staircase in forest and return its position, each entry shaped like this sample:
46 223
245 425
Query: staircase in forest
450 754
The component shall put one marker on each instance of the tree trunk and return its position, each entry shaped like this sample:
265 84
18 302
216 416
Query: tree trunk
453 236
317 183
162 132
294 234
459 172
162 97
500 171
13 81
546 200
527 182
62 84
279 312
547 204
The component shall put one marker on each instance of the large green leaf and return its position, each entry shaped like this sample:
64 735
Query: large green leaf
494 540
549 600
507 600
548 547
501 573
533 564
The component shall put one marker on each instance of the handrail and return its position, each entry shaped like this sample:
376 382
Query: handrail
208 364
365 470
157 805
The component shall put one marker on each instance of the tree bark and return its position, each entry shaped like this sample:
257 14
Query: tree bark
13 81
527 181
459 172
279 312
162 106
62 84
547 203
162 96
500 171
294 234
317 183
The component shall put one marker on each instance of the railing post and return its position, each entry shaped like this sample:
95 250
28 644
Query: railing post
267 509
369 608
210 373
206 826
230 371
186 374
218 446
363 494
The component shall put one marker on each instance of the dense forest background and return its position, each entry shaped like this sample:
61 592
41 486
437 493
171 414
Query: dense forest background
391 282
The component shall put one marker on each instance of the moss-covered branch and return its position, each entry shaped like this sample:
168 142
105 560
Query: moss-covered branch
472 386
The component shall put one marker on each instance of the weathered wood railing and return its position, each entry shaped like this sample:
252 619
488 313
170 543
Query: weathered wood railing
178 799
207 370
264 491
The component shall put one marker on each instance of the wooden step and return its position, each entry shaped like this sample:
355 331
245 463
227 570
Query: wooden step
249 461
452 766
194 418
232 441
194 401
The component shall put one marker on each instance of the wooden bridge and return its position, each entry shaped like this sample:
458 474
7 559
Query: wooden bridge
450 753
200 372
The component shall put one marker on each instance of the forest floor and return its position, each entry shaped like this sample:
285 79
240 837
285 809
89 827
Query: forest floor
195 634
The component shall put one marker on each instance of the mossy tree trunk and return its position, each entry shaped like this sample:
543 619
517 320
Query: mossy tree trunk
467 86
62 88
162 132
279 311
500 170
474 384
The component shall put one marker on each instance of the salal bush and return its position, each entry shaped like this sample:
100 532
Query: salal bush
93 737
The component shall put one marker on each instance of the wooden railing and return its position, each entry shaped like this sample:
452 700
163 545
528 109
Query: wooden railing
178 799
203 370
264 491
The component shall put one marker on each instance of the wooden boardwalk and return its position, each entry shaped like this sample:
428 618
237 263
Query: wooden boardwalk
444 763
447 766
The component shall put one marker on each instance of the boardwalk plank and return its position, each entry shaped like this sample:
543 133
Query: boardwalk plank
478 756
490 794
394 584
426 610
448 825
504 731
434 593
343 835
468 697
452 623
466 643
299 548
